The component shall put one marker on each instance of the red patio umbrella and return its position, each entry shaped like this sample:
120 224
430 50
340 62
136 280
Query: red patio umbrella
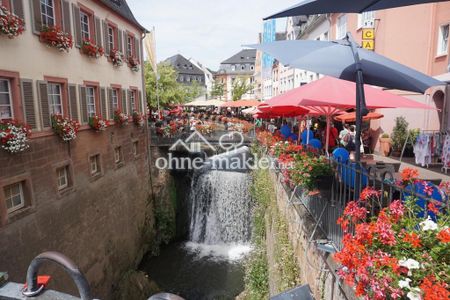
351 117
329 96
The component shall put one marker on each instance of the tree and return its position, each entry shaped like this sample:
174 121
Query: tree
218 89
169 90
240 88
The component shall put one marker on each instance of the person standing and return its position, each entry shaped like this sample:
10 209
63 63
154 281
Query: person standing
333 136
343 134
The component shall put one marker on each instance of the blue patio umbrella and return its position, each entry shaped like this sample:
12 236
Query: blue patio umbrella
313 7
346 60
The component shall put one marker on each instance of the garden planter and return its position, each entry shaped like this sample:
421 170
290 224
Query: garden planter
385 146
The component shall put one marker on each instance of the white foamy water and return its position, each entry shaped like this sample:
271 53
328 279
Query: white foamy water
230 252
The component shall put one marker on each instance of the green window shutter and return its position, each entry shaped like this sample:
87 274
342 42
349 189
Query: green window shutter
83 102
73 102
28 102
43 97
77 25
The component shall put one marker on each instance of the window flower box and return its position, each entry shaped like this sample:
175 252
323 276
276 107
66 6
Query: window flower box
120 118
89 48
138 119
133 62
14 136
116 58
98 124
66 128
10 24
56 38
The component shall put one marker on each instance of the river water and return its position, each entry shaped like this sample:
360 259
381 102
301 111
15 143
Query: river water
208 265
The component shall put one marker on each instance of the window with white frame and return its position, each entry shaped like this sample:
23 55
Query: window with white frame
366 17
129 46
111 37
133 100
443 39
341 27
84 18
115 99
14 196
90 101
117 155
6 107
55 98
94 163
62 175
48 13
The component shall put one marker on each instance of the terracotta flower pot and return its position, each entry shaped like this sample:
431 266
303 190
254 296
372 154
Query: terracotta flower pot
385 146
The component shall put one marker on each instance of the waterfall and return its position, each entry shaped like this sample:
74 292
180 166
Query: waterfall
220 211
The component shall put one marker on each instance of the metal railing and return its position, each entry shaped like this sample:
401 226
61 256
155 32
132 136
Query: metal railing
347 183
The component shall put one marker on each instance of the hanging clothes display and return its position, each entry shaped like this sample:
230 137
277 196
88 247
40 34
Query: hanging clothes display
446 153
423 149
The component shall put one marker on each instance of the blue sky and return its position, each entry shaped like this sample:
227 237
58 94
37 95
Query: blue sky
208 30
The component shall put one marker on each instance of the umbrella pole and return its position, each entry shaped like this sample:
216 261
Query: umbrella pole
327 143
361 109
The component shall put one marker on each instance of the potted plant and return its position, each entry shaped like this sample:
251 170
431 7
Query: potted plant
54 37
133 62
116 58
120 118
10 24
89 48
399 135
138 119
66 128
97 123
14 136
385 144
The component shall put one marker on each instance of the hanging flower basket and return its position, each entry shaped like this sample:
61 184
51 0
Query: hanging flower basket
120 118
66 128
89 48
98 124
133 63
116 58
10 24
14 136
54 37
138 119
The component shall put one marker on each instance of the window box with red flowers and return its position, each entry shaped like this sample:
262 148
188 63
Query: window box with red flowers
66 128
120 118
398 254
89 48
133 62
98 124
55 37
138 119
116 58
14 136
10 24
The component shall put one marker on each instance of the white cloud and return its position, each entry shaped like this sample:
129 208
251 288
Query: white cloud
208 30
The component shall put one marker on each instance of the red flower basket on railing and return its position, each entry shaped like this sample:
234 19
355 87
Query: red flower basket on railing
10 24
14 136
66 128
116 58
97 123
54 37
120 118
133 62
89 48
